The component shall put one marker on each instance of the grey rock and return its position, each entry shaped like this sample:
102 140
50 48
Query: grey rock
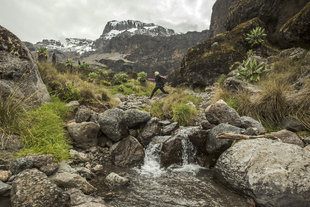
291 124
85 172
115 180
288 137
33 188
150 130
234 84
113 125
5 175
73 104
220 112
65 167
134 117
127 152
20 164
217 146
167 130
83 114
164 122
199 140
84 135
205 124
252 131
249 122
49 169
40 160
133 132
70 180
271 172
79 199
306 140
19 73
97 168
4 188
78 156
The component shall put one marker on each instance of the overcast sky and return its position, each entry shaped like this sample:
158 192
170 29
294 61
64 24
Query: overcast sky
34 20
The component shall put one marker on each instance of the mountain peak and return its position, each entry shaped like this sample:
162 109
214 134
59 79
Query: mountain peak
132 27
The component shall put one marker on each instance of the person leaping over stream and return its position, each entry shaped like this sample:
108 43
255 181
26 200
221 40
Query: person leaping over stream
160 83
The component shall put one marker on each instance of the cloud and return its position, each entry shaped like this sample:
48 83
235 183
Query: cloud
33 20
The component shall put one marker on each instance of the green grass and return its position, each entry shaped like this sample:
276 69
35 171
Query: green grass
184 114
133 87
42 131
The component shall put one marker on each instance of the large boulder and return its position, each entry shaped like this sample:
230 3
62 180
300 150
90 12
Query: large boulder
84 135
127 152
19 74
215 147
270 172
150 130
220 112
296 30
134 117
33 188
207 61
79 199
72 180
113 124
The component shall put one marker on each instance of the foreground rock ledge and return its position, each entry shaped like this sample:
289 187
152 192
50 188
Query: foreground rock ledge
271 172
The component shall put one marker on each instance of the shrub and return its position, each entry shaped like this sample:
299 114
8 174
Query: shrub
142 77
42 54
43 133
256 36
120 78
92 76
184 114
250 70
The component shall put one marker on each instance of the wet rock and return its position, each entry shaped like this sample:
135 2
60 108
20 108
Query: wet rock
84 135
49 169
113 125
78 156
40 160
4 188
199 140
271 172
33 188
288 137
127 152
70 180
291 124
150 130
83 114
167 130
249 122
215 147
205 124
18 71
115 180
134 117
20 164
220 112
79 199
5 175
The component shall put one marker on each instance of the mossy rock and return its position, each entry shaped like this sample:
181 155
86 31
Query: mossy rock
297 29
204 63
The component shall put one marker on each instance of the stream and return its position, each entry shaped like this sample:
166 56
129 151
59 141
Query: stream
177 186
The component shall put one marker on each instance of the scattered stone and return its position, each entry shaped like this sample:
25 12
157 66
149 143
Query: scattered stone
79 199
5 175
115 180
40 160
252 131
168 129
84 135
271 172
134 117
20 164
164 123
83 114
205 124
78 156
288 137
306 140
291 124
32 188
150 130
70 180
85 172
249 122
127 152
113 125
220 112
97 168
73 104
4 188
65 167
49 169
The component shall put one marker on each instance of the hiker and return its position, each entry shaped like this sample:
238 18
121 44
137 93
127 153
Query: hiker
160 83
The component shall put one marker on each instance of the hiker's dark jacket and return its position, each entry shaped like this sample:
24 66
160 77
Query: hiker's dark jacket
159 81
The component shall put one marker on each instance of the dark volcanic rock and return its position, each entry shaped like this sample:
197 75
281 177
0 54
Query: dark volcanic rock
18 72
150 130
134 117
20 164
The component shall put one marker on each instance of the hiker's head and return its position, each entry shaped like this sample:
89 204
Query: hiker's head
156 73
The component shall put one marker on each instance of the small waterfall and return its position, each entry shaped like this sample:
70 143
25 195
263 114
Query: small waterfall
151 164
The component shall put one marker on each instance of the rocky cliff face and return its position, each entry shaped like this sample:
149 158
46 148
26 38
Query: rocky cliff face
227 14
19 75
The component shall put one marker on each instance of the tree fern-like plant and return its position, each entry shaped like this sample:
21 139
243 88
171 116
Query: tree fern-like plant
69 64
42 54
250 70
256 36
